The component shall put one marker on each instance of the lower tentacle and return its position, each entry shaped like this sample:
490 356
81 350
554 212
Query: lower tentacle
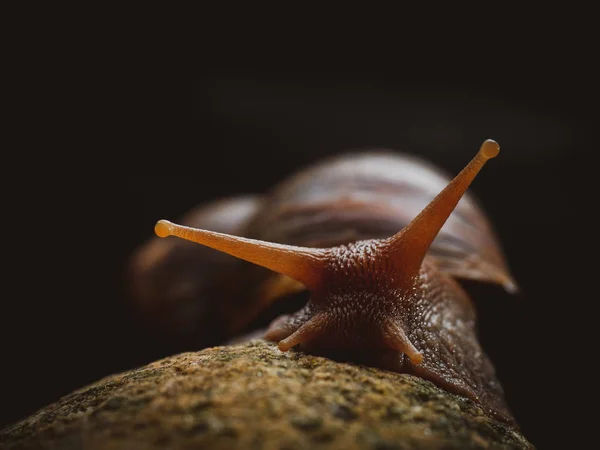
307 332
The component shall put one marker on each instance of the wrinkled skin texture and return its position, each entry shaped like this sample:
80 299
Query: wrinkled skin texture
361 309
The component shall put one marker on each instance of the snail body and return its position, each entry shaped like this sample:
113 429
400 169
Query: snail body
380 265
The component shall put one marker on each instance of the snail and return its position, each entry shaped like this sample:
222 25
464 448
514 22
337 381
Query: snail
380 266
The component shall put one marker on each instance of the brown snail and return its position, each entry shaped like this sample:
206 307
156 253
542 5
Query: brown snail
381 276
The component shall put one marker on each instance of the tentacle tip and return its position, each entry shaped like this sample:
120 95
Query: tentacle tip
283 346
163 228
511 287
416 358
489 149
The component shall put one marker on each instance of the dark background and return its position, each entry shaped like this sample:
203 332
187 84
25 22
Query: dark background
68 322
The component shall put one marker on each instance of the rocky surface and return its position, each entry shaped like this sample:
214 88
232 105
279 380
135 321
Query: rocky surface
252 396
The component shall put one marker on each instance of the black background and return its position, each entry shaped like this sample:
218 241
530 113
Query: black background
68 321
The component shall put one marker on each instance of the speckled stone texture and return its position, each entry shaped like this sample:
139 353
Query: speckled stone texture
252 396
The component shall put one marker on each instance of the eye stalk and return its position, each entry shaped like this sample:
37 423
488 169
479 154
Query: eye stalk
303 264
408 247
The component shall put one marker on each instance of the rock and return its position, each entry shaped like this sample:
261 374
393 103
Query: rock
252 396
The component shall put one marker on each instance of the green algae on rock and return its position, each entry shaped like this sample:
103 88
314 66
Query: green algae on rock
252 396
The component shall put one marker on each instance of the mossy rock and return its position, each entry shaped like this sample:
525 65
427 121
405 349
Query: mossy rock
252 396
